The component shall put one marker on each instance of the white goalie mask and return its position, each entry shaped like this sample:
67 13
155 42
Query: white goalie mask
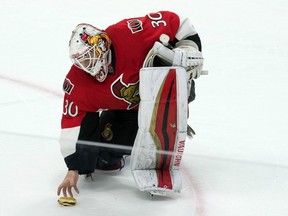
90 50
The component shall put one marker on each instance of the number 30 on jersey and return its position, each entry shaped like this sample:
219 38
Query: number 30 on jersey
156 20
70 108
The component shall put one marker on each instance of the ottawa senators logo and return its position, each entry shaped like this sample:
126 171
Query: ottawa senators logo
100 40
107 134
68 86
135 25
129 93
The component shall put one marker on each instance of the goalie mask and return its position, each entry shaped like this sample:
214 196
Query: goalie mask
90 50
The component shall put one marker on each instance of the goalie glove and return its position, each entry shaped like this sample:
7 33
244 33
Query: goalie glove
187 55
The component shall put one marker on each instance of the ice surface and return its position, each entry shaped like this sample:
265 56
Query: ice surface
236 164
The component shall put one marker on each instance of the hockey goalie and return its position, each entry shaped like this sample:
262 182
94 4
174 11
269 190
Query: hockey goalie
158 55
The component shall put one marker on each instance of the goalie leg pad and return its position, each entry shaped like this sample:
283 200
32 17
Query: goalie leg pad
162 119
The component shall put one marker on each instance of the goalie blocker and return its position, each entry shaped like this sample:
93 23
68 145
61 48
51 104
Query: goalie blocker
160 141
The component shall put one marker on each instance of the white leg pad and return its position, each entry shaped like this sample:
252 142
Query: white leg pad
162 119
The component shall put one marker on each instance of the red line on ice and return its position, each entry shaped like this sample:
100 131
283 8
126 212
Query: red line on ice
200 210
31 85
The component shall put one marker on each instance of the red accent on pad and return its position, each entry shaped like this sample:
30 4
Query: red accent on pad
166 128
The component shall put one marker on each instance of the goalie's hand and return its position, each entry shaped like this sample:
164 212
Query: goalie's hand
187 55
69 182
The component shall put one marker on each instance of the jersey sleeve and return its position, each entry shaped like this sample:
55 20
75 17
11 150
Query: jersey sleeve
187 31
78 144
77 128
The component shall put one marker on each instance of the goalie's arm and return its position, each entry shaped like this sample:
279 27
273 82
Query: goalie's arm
77 155
187 31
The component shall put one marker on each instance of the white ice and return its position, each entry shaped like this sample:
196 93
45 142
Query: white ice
236 165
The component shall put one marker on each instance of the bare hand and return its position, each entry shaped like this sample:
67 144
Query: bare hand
69 182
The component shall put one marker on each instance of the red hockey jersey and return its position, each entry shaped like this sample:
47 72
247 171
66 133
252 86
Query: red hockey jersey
131 40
